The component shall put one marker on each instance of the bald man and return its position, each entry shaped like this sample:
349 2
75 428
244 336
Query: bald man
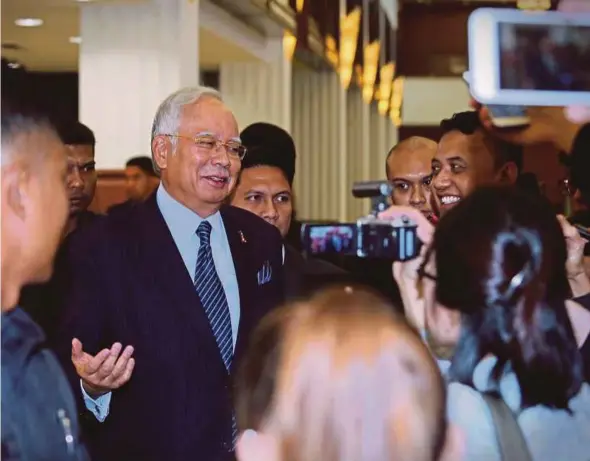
409 168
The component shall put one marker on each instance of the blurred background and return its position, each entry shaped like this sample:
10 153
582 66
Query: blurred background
347 78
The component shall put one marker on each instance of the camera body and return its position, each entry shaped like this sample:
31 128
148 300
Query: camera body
369 236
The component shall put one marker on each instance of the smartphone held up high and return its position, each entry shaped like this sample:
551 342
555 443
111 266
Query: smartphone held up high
523 58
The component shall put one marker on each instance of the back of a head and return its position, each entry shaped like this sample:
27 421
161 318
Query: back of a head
355 383
500 258
143 163
20 119
468 123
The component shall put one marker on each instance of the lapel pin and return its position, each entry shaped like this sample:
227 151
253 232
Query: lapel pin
242 238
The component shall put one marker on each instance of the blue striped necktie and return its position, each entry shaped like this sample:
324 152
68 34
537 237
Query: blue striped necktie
212 296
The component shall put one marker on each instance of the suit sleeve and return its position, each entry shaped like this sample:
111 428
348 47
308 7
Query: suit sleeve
85 308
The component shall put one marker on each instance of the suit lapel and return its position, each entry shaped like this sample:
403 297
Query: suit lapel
162 264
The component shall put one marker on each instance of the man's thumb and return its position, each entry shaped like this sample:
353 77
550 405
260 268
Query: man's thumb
77 351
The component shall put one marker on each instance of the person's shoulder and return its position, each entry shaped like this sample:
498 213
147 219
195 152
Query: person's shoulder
250 222
104 231
120 207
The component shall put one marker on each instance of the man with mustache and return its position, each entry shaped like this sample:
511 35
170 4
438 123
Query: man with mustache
41 301
409 169
81 178
178 283
468 156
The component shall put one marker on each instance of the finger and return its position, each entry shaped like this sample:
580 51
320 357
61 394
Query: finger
105 370
77 351
475 104
121 363
425 228
568 230
94 363
578 114
126 374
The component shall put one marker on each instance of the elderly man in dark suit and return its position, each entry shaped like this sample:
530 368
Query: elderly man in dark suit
181 280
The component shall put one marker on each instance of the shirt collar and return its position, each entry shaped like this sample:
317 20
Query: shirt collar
182 221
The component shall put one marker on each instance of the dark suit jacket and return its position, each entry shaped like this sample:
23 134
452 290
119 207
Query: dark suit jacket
128 283
305 275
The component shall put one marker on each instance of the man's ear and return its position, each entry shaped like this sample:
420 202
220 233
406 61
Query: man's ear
256 446
15 189
161 147
508 174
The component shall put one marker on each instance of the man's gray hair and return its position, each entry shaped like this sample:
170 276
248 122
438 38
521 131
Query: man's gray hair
17 122
167 119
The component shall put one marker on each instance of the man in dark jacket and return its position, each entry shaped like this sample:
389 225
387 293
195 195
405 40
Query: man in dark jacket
38 410
265 189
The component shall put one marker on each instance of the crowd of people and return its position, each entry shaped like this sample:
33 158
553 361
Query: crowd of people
185 324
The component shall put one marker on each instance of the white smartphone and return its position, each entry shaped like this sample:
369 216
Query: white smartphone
504 116
529 58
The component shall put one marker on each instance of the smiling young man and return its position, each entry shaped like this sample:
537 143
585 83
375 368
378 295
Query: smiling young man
468 157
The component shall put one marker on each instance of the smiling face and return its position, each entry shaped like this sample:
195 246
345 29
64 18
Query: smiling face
199 172
265 191
462 163
410 171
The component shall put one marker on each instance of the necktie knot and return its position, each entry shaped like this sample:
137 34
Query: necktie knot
204 232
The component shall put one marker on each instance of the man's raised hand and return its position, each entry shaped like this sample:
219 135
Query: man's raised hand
106 371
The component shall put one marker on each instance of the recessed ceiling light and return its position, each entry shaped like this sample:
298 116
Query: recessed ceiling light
29 22
84 1
76 40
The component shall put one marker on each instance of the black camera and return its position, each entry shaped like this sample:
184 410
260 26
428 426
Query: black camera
369 237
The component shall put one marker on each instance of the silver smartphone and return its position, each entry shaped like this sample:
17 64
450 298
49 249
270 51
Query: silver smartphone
525 58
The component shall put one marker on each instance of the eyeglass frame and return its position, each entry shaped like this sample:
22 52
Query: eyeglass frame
218 142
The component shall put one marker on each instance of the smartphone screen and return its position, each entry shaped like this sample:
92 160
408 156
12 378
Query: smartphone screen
546 57
321 239
507 111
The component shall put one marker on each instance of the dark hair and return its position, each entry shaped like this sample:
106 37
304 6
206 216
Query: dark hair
500 257
75 133
269 145
468 123
257 373
144 164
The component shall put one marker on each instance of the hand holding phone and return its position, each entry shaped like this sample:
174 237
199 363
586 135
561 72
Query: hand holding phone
505 116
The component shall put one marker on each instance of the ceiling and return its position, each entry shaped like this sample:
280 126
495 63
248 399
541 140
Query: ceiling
47 48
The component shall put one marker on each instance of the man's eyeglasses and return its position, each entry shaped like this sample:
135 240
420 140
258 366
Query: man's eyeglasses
210 143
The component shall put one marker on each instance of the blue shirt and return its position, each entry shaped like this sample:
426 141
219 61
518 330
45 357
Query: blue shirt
182 224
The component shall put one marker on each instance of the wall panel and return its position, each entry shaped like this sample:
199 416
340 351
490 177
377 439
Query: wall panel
257 91
340 140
